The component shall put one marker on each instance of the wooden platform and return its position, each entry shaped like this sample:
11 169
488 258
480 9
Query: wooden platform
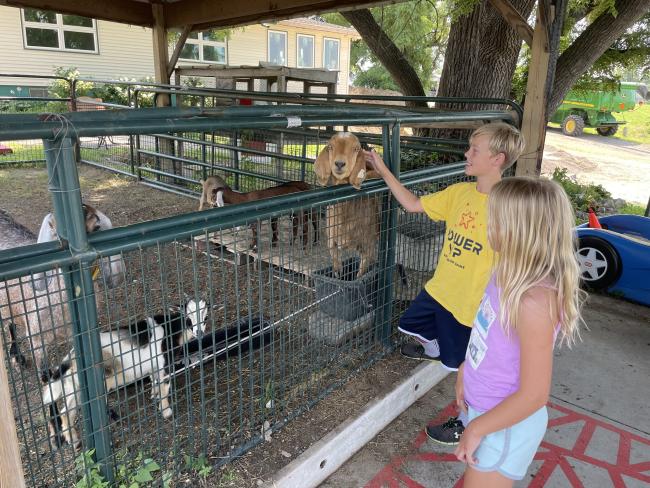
234 245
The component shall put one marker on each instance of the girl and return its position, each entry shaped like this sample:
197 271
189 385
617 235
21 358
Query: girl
533 296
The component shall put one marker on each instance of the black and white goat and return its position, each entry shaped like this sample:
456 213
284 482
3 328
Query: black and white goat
147 348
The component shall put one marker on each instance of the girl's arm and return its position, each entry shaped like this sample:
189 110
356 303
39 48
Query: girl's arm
536 336
460 390
408 200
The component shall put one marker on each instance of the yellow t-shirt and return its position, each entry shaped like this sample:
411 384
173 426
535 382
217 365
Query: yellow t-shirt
466 257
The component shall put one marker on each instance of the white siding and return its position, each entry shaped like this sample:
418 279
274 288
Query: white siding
127 51
124 51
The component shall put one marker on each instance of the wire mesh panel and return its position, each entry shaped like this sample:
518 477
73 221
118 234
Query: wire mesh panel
194 336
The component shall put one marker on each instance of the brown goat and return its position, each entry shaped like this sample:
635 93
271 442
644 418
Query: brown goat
216 193
353 224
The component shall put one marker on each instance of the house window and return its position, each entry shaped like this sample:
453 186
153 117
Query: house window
44 29
278 48
205 46
331 53
305 45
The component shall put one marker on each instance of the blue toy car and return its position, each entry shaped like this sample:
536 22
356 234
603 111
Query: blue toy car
616 258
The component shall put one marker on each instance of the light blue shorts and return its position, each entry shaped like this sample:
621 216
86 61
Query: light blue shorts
510 451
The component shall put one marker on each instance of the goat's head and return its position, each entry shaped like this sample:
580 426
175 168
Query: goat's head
93 220
341 161
196 310
213 188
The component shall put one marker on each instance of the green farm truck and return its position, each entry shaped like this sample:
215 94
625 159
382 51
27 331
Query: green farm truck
586 108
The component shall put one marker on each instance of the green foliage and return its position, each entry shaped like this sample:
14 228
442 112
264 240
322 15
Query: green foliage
632 209
418 28
582 196
135 473
116 93
376 77
198 465
416 159
627 59
88 469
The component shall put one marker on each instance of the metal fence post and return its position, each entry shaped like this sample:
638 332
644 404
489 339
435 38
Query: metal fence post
63 183
388 237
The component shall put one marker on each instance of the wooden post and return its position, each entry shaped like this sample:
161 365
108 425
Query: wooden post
534 123
11 469
160 52
161 70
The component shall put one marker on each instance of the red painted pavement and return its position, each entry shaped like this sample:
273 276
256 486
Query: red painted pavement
551 455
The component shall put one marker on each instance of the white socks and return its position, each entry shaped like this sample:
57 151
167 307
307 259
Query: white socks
462 416
431 348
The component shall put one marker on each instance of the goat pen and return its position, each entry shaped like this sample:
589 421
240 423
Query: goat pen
282 331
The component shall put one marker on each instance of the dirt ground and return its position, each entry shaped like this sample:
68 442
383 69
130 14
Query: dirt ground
25 198
622 167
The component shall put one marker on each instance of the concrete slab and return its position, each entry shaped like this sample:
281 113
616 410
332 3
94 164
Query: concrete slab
599 427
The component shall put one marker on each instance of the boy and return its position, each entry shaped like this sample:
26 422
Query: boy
441 316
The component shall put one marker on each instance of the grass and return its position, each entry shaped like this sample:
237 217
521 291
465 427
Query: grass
637 128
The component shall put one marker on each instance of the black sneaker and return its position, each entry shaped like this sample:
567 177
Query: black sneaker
448 433
416 351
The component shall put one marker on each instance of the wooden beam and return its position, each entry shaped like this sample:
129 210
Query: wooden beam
514 19
11 469
534 122
177 50
204 14
123 11
160 53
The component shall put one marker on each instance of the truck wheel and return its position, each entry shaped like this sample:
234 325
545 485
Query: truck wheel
600 265
573 125
607 131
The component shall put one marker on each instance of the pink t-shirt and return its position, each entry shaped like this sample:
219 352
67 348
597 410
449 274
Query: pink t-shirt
491 371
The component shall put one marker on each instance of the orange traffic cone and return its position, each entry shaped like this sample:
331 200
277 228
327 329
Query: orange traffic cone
593 220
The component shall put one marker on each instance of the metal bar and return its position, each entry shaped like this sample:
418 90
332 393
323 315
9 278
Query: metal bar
63 182
196 163
134 126
22 261
388 242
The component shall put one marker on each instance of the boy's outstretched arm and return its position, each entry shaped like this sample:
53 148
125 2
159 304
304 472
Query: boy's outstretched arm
408 200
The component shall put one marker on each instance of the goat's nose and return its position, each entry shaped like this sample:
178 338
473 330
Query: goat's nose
339 164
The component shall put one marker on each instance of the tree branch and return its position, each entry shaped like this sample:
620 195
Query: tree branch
592 44
387 52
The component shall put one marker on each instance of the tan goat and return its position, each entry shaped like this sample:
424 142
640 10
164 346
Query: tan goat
353 224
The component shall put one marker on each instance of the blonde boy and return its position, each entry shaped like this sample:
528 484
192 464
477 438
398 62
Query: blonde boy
441 316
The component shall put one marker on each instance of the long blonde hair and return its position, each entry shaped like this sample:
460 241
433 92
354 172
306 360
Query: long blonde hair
530 221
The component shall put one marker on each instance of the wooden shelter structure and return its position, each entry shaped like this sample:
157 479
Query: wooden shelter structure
271 74
194 15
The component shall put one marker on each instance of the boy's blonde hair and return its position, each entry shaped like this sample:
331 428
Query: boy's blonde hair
504 138
531 222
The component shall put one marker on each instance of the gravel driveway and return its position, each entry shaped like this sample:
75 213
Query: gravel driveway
622 167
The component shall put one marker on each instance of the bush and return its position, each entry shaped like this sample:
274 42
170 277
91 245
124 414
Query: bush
582 196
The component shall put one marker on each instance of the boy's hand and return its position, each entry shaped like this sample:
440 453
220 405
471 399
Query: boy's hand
374 160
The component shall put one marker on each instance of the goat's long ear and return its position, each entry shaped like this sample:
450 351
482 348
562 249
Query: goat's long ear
358 174
322 166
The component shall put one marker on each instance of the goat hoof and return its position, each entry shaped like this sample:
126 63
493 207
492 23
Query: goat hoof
167 413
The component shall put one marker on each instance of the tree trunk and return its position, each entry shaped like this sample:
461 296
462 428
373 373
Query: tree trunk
591 44
387 52
482 53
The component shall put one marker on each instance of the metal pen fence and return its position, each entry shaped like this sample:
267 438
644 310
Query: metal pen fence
248 158
282 328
